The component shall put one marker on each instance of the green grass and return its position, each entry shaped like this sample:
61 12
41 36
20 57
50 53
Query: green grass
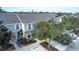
45 45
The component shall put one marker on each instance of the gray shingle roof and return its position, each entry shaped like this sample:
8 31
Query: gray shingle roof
28 18
9 18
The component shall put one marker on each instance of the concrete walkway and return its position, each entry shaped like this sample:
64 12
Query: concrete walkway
39 41
13 42
16 46
33 47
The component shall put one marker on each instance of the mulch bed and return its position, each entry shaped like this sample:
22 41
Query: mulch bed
26 42
45 45
7 49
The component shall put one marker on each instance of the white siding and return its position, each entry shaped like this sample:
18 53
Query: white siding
10 26
26 35
27 26
57 20
20 26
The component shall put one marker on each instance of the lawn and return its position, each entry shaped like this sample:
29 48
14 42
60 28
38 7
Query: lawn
45 45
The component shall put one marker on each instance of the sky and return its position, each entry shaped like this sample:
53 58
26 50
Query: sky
43 9
40 5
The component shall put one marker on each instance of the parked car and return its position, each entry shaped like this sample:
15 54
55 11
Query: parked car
72 34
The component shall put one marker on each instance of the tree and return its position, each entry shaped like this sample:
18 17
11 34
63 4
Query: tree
20 33
1 10
71 22
41 30
56 30
77 32
61 14
68 23
44 30
64 39
5 36
52 30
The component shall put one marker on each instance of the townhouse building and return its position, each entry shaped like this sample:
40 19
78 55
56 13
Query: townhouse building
25 21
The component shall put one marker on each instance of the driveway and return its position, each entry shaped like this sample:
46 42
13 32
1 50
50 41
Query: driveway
74 46
32 47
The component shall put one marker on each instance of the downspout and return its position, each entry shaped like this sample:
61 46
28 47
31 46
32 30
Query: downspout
22 24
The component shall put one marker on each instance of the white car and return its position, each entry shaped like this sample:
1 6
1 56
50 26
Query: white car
72 34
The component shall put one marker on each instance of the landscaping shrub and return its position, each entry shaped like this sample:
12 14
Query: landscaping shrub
45 45
26 41
64 39
22 41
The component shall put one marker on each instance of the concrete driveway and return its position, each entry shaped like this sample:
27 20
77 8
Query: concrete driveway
74 46
32 47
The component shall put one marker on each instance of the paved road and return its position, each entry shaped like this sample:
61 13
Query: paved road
32 47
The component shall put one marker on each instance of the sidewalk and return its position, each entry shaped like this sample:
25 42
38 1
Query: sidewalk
33 47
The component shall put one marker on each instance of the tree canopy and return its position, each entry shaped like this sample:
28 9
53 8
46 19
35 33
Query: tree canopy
41 30
1 10
47 30
5 36
71 22
52 30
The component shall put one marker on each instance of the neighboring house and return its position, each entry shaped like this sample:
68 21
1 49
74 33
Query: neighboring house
59 19
25 21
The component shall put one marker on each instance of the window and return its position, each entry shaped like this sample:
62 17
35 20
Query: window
17 26
28 36
29 26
